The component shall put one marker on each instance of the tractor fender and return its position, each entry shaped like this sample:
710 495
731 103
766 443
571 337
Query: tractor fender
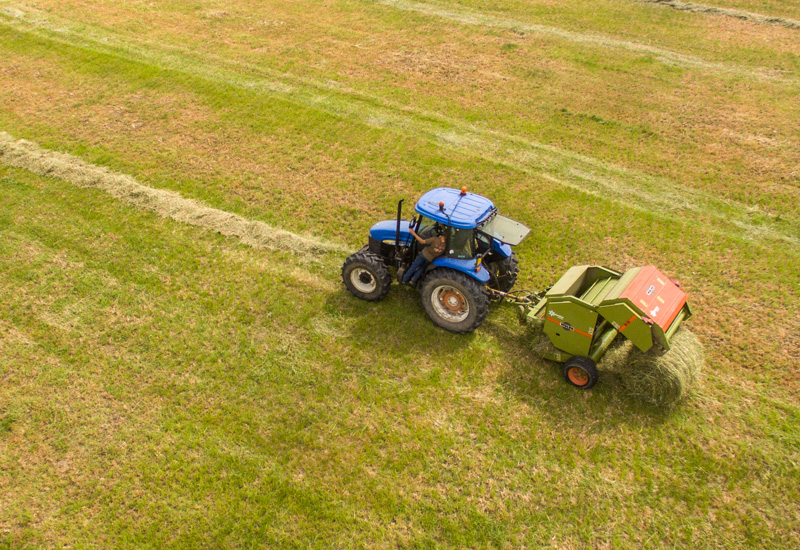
387 230
501 248
466 267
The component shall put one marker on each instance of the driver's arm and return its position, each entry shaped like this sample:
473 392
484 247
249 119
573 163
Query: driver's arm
420 239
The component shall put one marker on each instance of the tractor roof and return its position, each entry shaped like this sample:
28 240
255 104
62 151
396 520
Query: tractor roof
461 210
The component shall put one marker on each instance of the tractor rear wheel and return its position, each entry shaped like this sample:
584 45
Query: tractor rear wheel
453 300
504 273
366 276
581 372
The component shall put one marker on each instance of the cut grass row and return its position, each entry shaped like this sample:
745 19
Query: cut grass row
29 156
726 9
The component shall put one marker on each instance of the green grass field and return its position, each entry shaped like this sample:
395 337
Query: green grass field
164 384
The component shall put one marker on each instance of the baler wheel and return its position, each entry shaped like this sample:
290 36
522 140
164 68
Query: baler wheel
366 276
581 372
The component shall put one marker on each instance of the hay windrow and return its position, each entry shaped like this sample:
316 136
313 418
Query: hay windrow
737 14
167 204
470 17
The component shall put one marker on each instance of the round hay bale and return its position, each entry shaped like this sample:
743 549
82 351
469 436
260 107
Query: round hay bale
661 380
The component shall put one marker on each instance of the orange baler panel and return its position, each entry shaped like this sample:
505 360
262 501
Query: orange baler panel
656 295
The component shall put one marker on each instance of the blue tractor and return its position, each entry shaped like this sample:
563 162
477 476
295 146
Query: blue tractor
478 265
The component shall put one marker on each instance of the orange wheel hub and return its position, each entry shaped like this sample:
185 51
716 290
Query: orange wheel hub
452 301
578 376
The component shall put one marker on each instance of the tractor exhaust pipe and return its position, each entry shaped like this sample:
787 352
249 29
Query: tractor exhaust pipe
397 259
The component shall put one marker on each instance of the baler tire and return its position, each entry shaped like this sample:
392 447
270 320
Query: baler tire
366 276
454 301
581 372
504 273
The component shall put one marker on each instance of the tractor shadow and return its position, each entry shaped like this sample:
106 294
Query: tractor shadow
540 383
395 338
396 326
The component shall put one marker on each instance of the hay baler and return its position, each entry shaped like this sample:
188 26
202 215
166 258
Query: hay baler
590 306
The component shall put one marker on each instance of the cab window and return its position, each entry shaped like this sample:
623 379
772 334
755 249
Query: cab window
425 229
462 244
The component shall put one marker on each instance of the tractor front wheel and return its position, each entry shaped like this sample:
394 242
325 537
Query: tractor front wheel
581 372
366 276
504 273
453 300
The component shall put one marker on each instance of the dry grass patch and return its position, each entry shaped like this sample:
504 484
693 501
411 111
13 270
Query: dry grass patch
492 84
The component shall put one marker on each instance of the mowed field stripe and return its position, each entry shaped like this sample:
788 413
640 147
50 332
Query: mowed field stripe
727 12
469 17
167 204
641 192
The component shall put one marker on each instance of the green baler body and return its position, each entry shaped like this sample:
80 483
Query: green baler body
588 306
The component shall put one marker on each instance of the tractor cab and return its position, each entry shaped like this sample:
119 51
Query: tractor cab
471 224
